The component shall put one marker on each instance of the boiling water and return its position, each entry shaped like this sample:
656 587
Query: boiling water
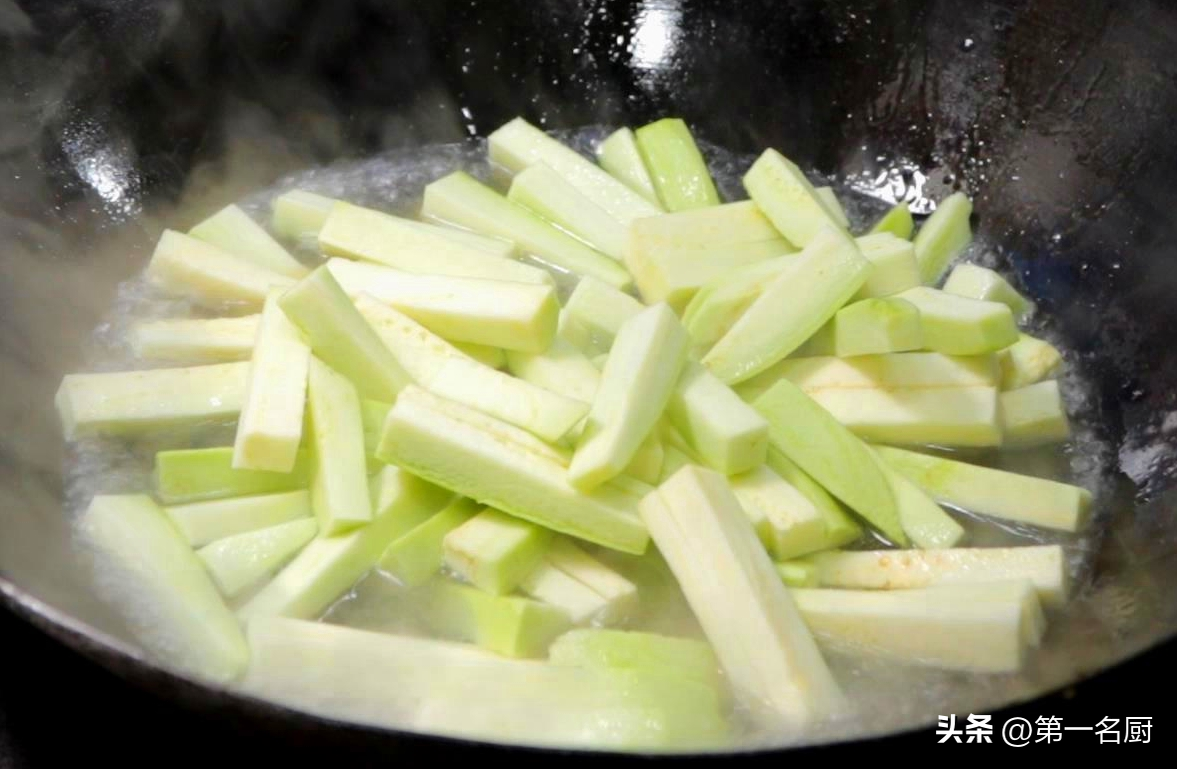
886 696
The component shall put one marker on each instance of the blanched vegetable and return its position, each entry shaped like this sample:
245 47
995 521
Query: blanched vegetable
494 551
234 231
788 199
943 236
186 266
620 156
676 166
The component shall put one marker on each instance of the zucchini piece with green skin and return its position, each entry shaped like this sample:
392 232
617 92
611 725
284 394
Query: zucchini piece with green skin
926 524
203 522
723 225
299 214
620 596
797 573
269 429
636 384
893 265
184 266
787 523
236 232
995 493
977 282
440 687
594 313
810 436
580 602
897 221
957 325
676 166
418 554
986 628
518 144
417 247
192 475
767 653
512 626
561 369
540 189
1027 361
841 529
720 302
788 199
494 551
1045 566
725 432
462 200
339 486
329 566
598 648
1034 415
241 561
944 235
131 402
795 304
830 199
156 583
877 326
341 338
493 462
499 313
493 357
944 416
195 341
676 276
619 155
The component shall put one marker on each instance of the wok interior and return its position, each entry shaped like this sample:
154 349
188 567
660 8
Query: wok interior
1053 117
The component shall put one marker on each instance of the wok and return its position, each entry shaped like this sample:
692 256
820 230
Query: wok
121 118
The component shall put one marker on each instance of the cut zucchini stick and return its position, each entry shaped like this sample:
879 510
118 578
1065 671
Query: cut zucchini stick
211 520
562 369
500 313
185 266
540 189
494 551
620 156
156 583
373 236
956 325
416 556
996 493
876 326
897 221
299 214
833 456
134 401
1033 415
980 628
191 475
830 200
518 144
722 225
341 338
893 265
646 465
195 341
788 199
943 236
619 595
241 561
787 523
724 431
676 276
767 653
419 351
943 416
977 282
600 649
902 371
1027 361
926 524
462 200
512 626
639 377
676 166
339 487
329 566
795 304
494 357
577 600
269 429
236 232
841 528
594 313
718 305
445 688
1044 566
483 458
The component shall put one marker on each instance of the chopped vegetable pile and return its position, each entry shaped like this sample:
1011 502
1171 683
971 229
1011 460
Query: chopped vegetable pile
744 391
